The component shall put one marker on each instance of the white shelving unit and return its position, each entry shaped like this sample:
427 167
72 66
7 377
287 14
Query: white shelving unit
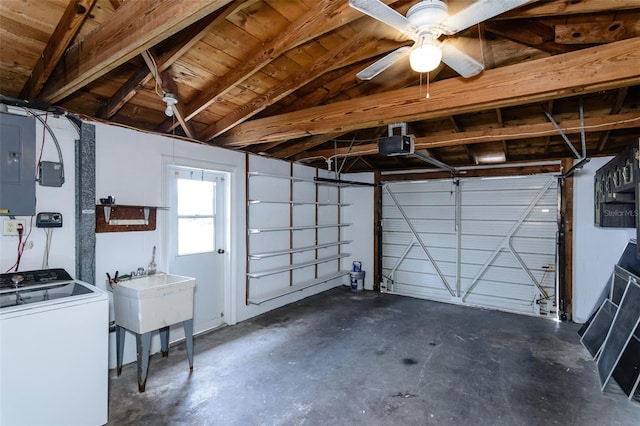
293 232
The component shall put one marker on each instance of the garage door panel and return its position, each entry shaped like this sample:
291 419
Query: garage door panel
521 244
535 245
517 197
493 185
503 304
416 198
422 279
503 213
528 229
430 293
420 225
502 274
510 197
495 217
440 254
534 261
515 291
433 212
422 266
481 242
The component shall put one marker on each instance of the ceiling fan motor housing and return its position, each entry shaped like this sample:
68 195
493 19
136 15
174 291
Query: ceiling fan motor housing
427 15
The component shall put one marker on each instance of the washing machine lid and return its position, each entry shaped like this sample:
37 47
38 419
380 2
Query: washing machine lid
22 291
42 294
15 280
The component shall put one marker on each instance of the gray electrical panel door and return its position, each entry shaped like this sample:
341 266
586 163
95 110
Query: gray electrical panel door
17 165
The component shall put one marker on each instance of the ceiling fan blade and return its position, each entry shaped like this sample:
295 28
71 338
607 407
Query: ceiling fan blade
454 55
477 12
383 13
377 67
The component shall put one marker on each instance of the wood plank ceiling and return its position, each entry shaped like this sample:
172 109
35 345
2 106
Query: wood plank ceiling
278 77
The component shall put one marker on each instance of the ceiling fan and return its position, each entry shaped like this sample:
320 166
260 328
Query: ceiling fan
425 22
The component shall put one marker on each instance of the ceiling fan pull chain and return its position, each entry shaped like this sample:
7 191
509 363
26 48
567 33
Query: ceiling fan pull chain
428 88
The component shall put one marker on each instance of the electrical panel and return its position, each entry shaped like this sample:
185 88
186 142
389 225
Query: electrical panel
18 165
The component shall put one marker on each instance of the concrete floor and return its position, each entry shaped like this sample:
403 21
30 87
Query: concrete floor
342 358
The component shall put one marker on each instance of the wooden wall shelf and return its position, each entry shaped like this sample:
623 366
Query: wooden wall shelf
125 218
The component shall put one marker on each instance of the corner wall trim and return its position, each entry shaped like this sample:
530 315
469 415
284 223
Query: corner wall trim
85 163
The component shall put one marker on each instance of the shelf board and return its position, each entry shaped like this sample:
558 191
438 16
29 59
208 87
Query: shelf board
293 266
263 255
295 228
294 288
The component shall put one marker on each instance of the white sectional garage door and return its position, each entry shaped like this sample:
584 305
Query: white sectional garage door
479 242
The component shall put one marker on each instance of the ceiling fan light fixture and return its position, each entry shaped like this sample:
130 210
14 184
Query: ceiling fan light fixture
425 58
170 100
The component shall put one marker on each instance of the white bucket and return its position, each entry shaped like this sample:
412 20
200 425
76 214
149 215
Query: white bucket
357 280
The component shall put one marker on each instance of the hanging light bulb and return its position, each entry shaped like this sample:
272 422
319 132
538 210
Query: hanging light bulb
170 100
426 57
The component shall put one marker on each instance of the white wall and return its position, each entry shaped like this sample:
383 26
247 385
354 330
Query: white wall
131 166
595 250
48 199
361 232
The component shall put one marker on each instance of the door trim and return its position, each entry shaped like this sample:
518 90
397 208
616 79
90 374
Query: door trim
230 172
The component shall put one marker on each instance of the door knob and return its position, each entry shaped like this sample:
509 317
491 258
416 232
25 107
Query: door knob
220 251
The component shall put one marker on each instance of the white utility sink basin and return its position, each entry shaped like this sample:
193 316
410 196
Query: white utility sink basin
153 302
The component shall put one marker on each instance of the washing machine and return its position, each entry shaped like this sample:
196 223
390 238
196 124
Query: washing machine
53 350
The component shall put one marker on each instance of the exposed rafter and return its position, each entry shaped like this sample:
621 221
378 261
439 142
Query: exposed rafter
73 17
308 26
177 46
588 70
134 27
569 127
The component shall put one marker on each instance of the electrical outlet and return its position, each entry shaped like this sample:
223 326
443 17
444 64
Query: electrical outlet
11 226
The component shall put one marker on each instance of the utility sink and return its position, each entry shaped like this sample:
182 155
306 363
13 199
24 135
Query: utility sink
153 302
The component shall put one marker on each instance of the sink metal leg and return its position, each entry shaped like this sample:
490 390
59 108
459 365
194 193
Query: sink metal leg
164 341
120 335
143 342
188 337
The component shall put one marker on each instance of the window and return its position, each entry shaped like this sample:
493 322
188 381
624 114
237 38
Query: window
195 214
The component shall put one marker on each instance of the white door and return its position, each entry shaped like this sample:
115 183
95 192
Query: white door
197 239
480 242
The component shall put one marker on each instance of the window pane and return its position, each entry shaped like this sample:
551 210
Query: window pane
195 197
195 235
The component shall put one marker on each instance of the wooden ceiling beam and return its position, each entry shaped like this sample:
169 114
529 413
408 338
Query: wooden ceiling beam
177 45
589 70
133 28
71 21
348 52
457 128
505 146
328 90
615 109
168 86
530 33
592 32
323 17
299 146
564 7
569 127
125 93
